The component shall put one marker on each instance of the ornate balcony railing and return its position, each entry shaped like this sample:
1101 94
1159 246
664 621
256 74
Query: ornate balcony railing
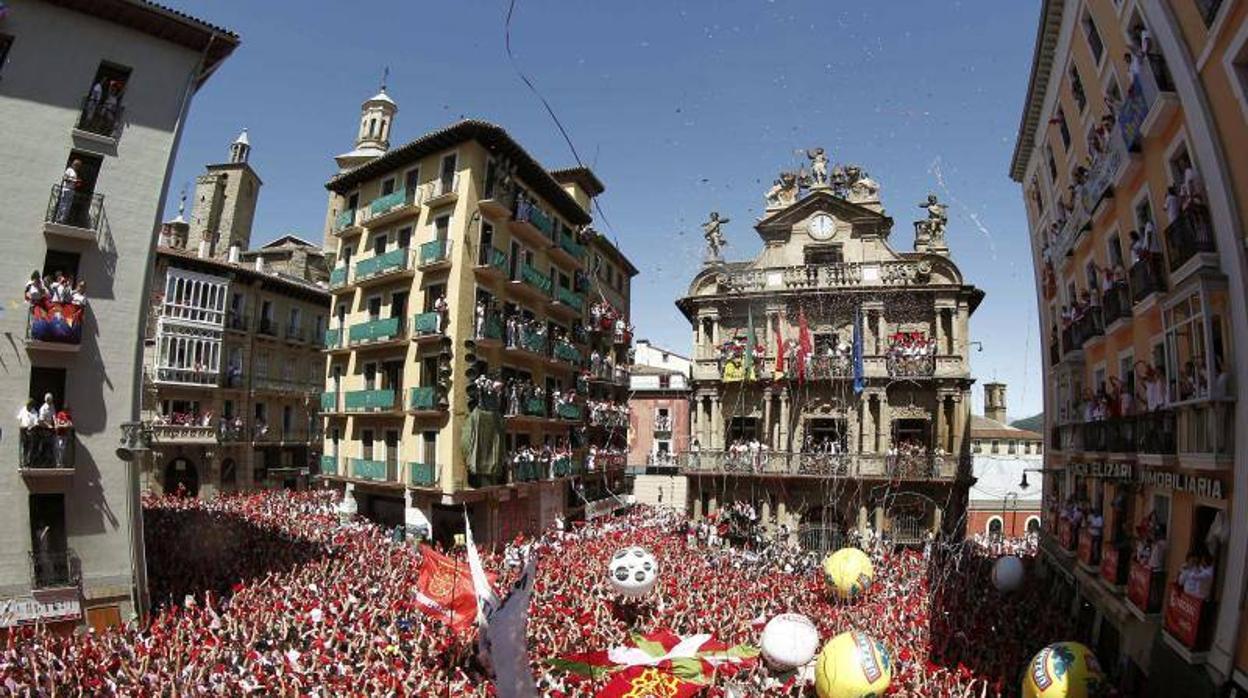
101 117
380 330
1189 235
385 204
568 410
74 208
535 278
917 467
333 339
839 275
329 465
422 398
41 448
527 212
344 220
422 475
1146 278
52 569
329 402
369 401
490 327
569 298
426 324
398 259
379 470
569 244
564 351
434 252
1116 303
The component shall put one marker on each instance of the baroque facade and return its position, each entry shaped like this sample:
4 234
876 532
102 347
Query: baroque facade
1129 157
232 371
91 126
830 378
478 346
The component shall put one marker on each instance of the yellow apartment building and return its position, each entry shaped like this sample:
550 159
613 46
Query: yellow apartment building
1129 154
464 365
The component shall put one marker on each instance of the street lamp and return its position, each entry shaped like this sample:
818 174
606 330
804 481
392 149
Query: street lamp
1023 484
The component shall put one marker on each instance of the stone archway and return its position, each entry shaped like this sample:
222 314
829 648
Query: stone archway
181 474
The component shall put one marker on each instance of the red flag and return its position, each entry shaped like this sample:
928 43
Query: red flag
779 349
804 345
650 682
444 589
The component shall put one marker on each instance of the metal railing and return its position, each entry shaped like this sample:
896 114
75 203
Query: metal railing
1146 278
395 260
1189 235
373 331
435 252
46 448
1116 303
370 401
50 569
422 474
920 467
494 258
76 209
426 324
100 117
837 275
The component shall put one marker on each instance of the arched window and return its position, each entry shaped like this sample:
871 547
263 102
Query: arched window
1033 524
995 526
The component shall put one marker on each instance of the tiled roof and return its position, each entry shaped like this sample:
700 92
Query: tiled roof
493 137
243 270
984 428
581 176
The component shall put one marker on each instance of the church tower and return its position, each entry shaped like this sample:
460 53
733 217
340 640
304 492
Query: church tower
373 137
225 203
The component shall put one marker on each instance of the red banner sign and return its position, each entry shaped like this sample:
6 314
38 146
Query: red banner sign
1109 565
1066 534
1085 548
1182 616
1138 581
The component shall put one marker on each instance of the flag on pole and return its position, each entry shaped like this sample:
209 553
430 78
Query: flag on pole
860 381
804 345
444 590
751 341
779 350
503 644
483 590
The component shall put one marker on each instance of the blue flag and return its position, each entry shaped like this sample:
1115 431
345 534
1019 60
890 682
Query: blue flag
860 380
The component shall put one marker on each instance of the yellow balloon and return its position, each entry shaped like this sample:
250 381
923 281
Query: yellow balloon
1063 670
848 572
853 665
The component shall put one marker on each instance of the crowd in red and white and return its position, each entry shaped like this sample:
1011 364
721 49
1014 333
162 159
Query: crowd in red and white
271 594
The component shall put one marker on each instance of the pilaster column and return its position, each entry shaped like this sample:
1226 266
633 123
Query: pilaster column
694 421
886 417
767 439
941 427
784 421
881 332
717 424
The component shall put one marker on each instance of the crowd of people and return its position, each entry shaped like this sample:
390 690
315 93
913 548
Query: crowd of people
43 291
45 434
910 354
604 413
270 593
910 457
540 462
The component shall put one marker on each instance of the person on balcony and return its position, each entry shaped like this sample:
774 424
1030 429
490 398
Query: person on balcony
36 294
1172 204
70 183
27 424
1192 190
78 296
64 426
1139 251
110 109
91 110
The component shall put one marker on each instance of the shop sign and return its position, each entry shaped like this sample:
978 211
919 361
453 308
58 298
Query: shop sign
1207 487
1183 616
27 611
1109 564
1108 471
1138 581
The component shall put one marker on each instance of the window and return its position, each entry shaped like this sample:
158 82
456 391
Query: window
379 245
1076 88
410 180
229 472
47 381
995 526
6 43
48 541
1033 524
1011 447
823 254
1114 247
977 446
374 307
665 381
102 109
295 320
288 419
58 262
1093 36
996 446
1186 359
405 237
387 186
353 201
448 172
366 444
441 227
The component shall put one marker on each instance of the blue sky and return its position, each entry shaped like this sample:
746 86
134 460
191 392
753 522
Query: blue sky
680 108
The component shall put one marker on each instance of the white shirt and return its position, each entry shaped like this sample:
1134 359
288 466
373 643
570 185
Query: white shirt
46 414
70 178
1096 524
26 418
1197 581
1157 558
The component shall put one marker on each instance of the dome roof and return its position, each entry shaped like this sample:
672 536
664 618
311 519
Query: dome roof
382 97
242 139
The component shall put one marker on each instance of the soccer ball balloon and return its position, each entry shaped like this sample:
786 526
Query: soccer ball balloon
848 572
633 571
789 640
1007 573
853 665
1063 670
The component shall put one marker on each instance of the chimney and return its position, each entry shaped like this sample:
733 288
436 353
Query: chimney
235 249
203 249
259 263
994 402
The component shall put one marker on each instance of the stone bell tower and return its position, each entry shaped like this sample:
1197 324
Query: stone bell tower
994 401
224 207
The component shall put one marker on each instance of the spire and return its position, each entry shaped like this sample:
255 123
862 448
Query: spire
240 149
181 208
373 137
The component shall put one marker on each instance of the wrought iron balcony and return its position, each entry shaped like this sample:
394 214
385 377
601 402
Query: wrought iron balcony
1189 235
493 260
374 331
329 402
422 475
435 252
564 351
423 398
527 212
54 569
838 275
345 220
1116 303
379 470
427 324
395 260
916 467
329 465
535 279
47 450
369 401
569 298
55 326
76 213
1146 278
490 327
333 339
100 117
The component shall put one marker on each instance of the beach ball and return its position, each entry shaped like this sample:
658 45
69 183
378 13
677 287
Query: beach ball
853 665
789 640
1063 670
633 571
1007 573
848 572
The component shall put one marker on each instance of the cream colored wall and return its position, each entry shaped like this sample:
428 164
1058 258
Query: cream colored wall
464 234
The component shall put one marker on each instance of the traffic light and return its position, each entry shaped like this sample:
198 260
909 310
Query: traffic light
444 372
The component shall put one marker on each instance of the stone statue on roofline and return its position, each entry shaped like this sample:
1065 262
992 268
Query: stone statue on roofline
937 221
818 168
715 240
784 191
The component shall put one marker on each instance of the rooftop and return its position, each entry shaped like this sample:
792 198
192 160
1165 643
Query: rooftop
493 137
580 176
1037 86
245 271
984 428
215 43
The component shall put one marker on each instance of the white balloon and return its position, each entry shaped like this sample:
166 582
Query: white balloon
789 640
633 571
1007 573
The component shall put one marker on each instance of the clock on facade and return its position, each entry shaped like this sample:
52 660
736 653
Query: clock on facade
821 226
